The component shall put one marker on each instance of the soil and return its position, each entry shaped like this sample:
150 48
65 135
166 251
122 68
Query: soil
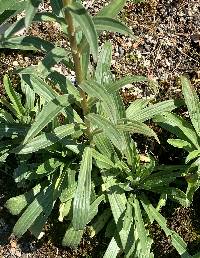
167 45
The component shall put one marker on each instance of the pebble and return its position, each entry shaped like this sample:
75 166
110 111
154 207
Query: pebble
15 63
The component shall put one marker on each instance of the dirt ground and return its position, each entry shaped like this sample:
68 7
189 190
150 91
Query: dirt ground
167 45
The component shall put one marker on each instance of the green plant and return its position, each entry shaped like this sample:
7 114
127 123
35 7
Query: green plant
188 134
73 140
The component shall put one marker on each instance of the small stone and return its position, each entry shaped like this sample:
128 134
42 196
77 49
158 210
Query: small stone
15 63
18 253
26 58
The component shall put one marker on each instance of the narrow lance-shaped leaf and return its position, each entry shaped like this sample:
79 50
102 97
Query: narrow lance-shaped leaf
103 64
39 86
58 184
15 9
100 222
26 43
192 102
117 85
178 126
81 204
7 117
118 203
47 139
30 96
72 237
51 110
31 10
7 129
42 203
137 127
109 129
180 144
176 240
39 17
86 24
136 106
112 25
192 155
8 4
142 232
153 110
16 204
113 249
97 91
57 6
112 9
14 97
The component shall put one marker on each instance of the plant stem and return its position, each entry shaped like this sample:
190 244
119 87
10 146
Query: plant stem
77 63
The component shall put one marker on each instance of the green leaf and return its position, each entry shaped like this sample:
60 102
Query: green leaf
105 146
176 240
112 9
193 181
81 204
180 144
57 7
113 249
14 97
46 139
94 207
153 110
7 117
192 102
9 4
47 166
15 205
97 91
135 107
68 193
9 106
31 10
100 222
16 8
118 203
137 127
52 58
175 194
44 90
64 84
130 148
72 237
141 231
64 210
26 43
117 85
31 171
102 161
86 24
42 203
161 178
39 17
39 87
112 25
178 126
30 96
109 129
57 186
48 113
85 58
103 65
192 155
